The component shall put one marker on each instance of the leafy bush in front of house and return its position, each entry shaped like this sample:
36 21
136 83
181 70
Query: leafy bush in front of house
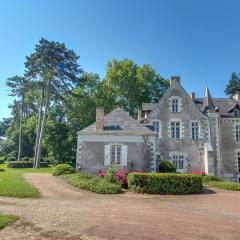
21 164
224 185
164 183
207 179
11 159
92 183
63 169
167 166
26 159
121 177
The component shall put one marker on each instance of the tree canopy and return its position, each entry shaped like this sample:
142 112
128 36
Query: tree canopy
233 84
56 98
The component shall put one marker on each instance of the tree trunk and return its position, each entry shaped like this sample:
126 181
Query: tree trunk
39 150
38 128
20 131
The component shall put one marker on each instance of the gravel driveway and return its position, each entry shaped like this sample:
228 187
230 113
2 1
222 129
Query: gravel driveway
64 213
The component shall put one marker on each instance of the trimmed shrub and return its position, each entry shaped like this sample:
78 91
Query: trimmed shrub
225 185
92 183
207 179
111 173
11 159
63 169
26 159
2 170
167 166
21 164
164 183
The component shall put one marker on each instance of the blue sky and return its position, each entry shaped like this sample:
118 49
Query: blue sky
198 40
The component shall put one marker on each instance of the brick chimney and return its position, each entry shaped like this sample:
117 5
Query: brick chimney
173 79
236 95
193 96
99 119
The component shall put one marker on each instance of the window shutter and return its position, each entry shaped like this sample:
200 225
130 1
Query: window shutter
107 155
124 155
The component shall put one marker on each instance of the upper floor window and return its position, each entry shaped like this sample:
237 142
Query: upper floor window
175 130
195 130
175 105
116 152
237 133
157 127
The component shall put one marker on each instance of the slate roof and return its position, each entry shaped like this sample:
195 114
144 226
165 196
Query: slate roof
225 105
120 123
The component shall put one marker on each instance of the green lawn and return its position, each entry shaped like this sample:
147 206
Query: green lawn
225 185
12 183
6 220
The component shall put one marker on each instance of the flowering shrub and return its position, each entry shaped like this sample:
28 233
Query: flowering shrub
102 173
200 173
121 176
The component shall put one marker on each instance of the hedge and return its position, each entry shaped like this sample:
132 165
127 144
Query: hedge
63 169
92 183
21 164
165 183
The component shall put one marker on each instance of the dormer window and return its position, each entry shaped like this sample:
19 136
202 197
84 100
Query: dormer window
236 113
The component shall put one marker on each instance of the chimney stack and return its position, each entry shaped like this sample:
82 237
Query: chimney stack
236 95
193 96
173 79
99 119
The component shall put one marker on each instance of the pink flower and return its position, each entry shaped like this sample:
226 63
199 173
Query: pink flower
102 173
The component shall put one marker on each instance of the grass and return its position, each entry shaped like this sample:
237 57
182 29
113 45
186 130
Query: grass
6 220
92 183
225 185
12 183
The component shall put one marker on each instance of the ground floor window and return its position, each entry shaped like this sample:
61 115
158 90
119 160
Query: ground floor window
238 161
178 161
116 153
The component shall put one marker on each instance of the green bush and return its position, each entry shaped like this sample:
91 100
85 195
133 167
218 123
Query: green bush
111 173
167 166
26 159
207 179
166 183
92 183
63 169
2 160
2 170
225 185
21 164
11 159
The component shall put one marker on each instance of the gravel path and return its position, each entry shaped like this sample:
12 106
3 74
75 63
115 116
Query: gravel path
65 213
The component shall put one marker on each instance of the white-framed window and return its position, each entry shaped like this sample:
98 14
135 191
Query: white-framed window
238 161
116 153
179 161
195 130
157 127
175 105
236 113
237 132
176 130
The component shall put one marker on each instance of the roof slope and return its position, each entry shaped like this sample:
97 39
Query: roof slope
118 122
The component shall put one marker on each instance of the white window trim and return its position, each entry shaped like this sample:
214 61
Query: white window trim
181 129
179 103
199 130
122 152
234 132
185 155
159 135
